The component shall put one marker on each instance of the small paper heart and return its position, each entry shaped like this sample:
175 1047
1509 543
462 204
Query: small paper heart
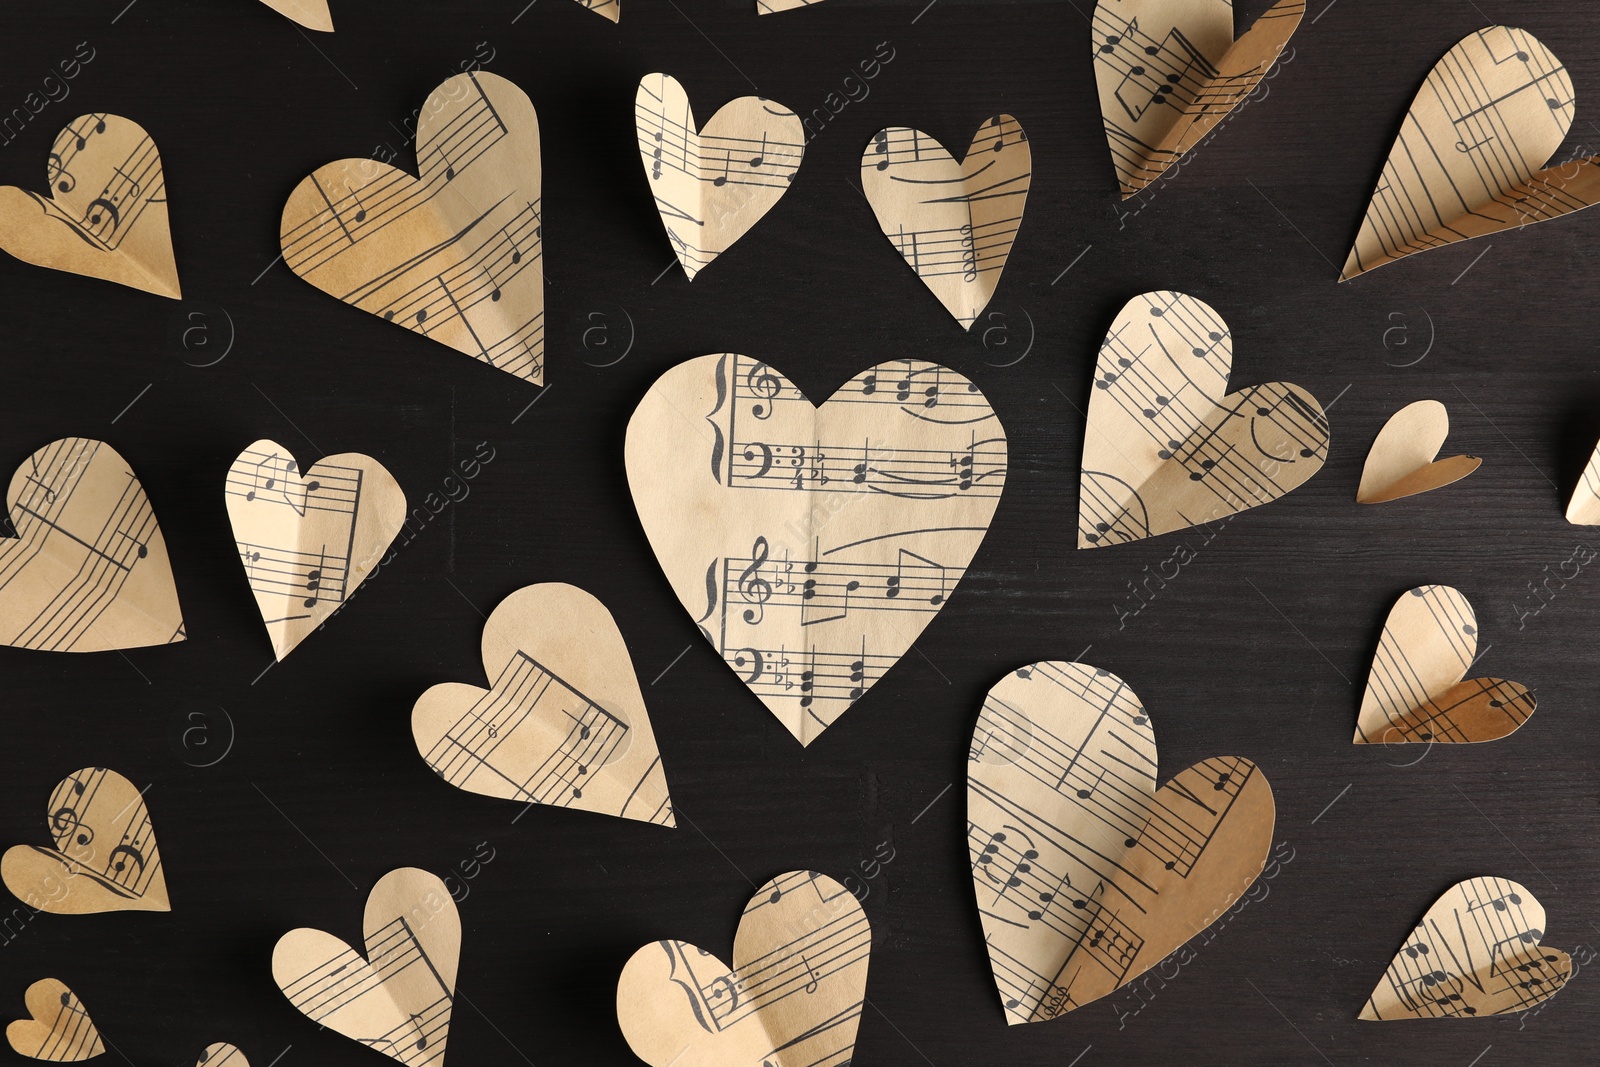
59 1029
221 1054
1401 462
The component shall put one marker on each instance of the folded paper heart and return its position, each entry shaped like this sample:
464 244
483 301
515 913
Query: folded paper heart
456 254
1087 875
1583 509
791 999
58 1027
1166 447
1401 462
312 14
812 545
953 222
563 723
222 1054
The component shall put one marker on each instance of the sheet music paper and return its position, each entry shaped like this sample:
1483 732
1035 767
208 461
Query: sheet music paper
1583 509
312 14
457 254
811 545
772 7
222 1054
1401 462
791 999
611 9
58 1028
954 223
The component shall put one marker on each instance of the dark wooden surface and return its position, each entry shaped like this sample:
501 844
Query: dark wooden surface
1258 648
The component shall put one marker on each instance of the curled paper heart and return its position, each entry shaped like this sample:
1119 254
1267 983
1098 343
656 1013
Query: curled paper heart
312 14
1401 462
58 1027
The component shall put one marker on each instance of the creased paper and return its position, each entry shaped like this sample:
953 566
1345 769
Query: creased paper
312 14
1584 507
221 1054
1401 462
58 1028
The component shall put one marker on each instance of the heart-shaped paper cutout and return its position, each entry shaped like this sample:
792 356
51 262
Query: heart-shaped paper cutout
1415 691
1584 507
105 856
791 999
59 1029
88 569
564 722
953 222
1401 462
772 7
457 256
397 998
1475 953
1169 70
611 9
222 1054
713 182
312 14
1087 875
309 540
813 544
1165 447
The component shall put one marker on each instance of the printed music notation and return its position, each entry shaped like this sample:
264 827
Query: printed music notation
611 9
1583 509
59 1028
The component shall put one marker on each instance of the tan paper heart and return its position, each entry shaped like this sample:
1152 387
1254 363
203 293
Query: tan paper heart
811 545
772 7
88 569
953 222
1475 953
611 9
1415 690
397 998
222 1054
59 1028
457 255
1166 447
309 540
1086 874
791 999
564 722
1401 462
713 182
1583 509
312 14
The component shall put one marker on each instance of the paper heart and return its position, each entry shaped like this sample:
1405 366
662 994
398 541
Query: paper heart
953 222
772 7
397 998
308 542
611 9
1087 875
813 544
1476 952
88 569
105 856
713 182
221 1054
564 723
1165 448
457 255
312 14
1583 509
1401 462
1169 70
58 1029
791 999
1415 691
1465 165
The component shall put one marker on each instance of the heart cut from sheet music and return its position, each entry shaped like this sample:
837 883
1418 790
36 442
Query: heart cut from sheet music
1416 692
954 223
456 255
221 1054
312 14
713 182
772 7
1475 953
1166 447
1401 462
812 545
1087 875
802 933
564 722
309 539
59 1028
1583 509
611 9
397 998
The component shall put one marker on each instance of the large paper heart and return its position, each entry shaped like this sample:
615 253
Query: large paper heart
1087 875
1476 952
1169 70
813 544
713 182
457 255
1165 447
221 1054
1415 690
397 998
791 999
1401 462
564 722
105 856
59 1029
953 222
88 569
308 540
312 14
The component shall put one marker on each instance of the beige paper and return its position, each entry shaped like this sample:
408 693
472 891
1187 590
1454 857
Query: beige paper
953 222
59 1028
1465 165
309 540
1415 691
312 14
811 545
772 7
791 999
397 998
1169 70
1584 507
88 569
221 1054
611 9
1401 462
457 256
1087 875
1166 447
713 182
1476 952
564 722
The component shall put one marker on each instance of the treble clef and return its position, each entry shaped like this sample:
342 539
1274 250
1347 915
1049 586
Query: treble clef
754 588
765 385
